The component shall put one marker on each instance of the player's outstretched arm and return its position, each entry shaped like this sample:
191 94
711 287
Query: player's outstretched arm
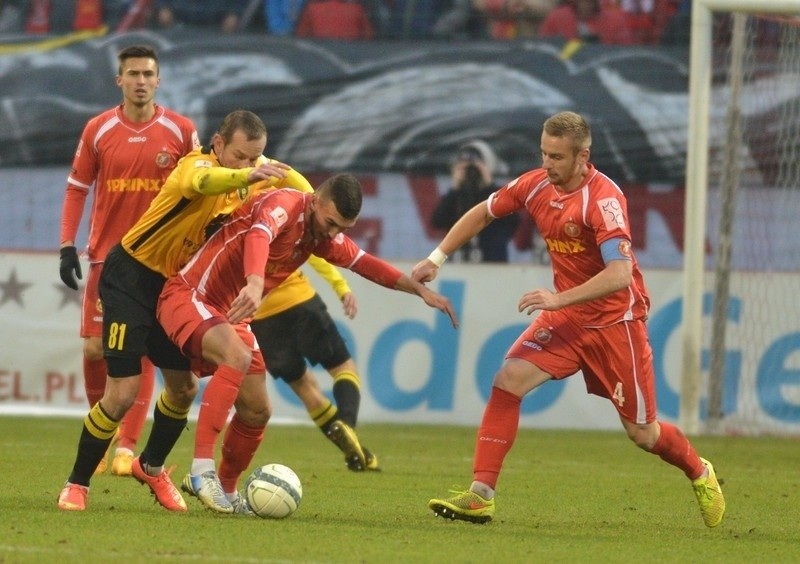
381 272
433 299
470 224
426 269
216 180
614 277
270 170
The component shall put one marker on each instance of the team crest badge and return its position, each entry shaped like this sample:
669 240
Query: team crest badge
625 248
98 305
543 335
163 159
572 230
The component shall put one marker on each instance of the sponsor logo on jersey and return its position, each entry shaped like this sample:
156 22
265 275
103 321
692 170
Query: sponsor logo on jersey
163 159
558 205
202 163
532 345
241 193
133 184
278 266
137 139
564 247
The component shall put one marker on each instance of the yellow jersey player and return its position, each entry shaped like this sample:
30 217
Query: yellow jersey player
205 182
123 157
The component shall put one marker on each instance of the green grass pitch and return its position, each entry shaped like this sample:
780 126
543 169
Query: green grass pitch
564 496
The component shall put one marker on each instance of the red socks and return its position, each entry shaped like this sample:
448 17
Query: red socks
238 448
674 448
130 428
218 399
496 435
499 429
94 379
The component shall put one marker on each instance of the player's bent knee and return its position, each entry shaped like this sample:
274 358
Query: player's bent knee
239 357
254 415
181 386
642 437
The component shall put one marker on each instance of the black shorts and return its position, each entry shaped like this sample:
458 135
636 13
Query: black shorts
305 331
129 294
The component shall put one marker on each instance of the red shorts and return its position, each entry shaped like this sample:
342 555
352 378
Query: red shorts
616 361
91 309
185 319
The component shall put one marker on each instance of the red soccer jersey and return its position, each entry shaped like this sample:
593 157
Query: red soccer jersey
574 225
217 270
127 163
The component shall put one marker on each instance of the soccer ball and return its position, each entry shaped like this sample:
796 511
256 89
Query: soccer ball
273 491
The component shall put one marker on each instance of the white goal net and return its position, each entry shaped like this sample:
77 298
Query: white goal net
750 360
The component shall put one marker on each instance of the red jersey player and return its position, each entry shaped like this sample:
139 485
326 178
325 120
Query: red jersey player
205 308
594 321
125 154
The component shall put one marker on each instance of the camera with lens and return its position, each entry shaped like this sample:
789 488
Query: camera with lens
473 179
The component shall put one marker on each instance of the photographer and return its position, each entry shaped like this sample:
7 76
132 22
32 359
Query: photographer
473 181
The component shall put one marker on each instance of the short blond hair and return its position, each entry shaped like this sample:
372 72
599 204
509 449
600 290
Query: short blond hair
572 125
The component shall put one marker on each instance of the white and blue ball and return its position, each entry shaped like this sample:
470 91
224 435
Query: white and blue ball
273 491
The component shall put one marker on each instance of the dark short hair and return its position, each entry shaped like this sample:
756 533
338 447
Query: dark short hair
136 52
242 120
345 191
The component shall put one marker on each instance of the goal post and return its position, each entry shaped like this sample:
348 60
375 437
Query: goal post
741 64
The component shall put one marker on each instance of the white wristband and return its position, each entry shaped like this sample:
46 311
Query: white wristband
437 257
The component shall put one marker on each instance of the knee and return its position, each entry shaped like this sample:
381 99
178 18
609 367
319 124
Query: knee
181 387
254 414
512 381
93 349
238 357
644 437
519 377
261 417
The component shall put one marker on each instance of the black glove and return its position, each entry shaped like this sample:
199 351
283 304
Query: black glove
70 264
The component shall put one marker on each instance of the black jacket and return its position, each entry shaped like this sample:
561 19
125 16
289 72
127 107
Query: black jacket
492 241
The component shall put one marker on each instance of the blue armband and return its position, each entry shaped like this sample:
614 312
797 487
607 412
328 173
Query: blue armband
615 249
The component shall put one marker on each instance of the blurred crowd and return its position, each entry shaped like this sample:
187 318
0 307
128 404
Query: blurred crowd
642 22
